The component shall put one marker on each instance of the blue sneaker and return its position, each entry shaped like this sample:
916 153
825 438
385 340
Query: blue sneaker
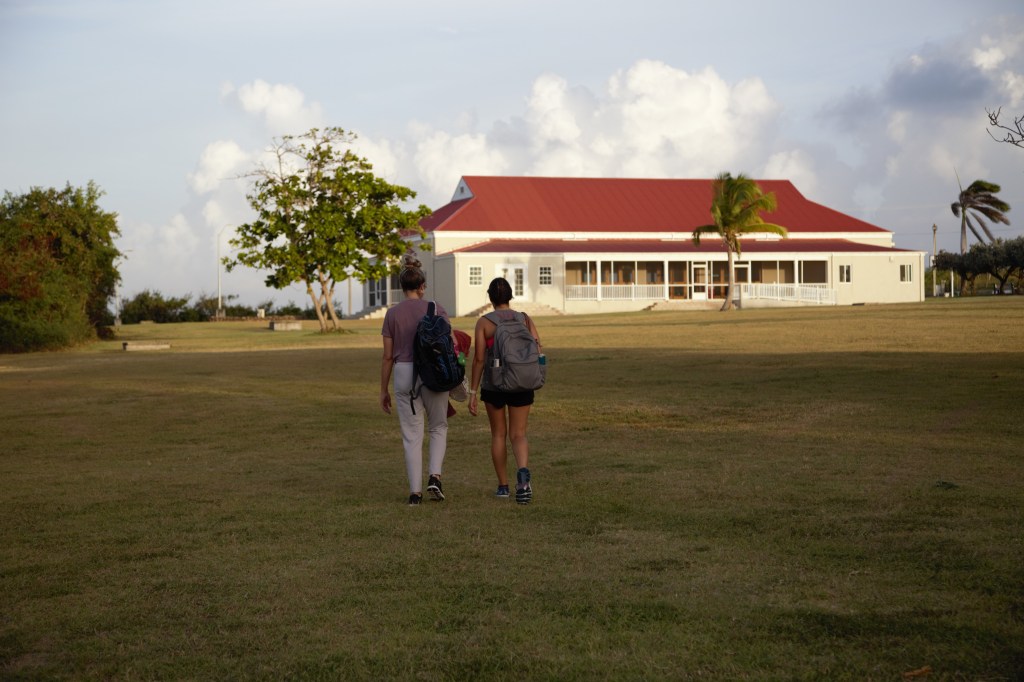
502 492
524 492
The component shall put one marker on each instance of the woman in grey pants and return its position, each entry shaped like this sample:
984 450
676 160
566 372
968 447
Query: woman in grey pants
399 333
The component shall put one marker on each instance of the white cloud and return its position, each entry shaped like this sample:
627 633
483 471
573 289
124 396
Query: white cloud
988 59
796 166
383 155
441 159
283 107
1013 87
549 113
651 120
177 239
220 161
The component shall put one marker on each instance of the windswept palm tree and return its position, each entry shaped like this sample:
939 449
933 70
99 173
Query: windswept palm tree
736 207
980 200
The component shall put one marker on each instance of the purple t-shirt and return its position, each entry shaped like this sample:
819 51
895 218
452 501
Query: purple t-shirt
400 325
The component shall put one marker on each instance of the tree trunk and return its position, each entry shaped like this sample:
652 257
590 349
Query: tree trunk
317 307
327 287
729 274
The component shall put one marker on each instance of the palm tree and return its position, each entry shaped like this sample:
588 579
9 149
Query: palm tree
981 200
736 206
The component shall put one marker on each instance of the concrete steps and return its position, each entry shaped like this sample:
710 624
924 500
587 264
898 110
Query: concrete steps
531 309
680 306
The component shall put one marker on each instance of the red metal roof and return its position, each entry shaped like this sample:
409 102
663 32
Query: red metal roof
707 245
538 204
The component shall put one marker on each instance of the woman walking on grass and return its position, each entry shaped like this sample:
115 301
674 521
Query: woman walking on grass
399 334
507 412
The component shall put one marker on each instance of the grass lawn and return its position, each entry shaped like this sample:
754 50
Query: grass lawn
830 493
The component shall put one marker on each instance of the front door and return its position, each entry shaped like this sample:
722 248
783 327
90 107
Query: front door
700 281
741 272
516 276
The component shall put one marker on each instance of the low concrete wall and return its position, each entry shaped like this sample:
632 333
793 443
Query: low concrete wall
285 326
144 345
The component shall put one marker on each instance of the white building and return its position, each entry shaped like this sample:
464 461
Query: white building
591 245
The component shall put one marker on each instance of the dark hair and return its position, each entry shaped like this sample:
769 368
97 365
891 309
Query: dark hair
499 291
411 277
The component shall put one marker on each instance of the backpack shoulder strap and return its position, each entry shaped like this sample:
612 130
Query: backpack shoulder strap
431 309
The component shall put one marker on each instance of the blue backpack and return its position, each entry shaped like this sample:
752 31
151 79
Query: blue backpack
434 357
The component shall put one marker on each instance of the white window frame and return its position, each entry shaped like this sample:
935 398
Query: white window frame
907 273
545 275
845 274
476 275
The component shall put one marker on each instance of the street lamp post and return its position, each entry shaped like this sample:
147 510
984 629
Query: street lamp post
935 279
220 267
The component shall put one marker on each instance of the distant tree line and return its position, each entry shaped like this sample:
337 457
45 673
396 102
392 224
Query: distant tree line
1002 258
58 269
152 306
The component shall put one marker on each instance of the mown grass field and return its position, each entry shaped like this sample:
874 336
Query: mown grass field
787 494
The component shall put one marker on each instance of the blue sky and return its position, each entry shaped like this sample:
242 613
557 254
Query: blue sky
867 107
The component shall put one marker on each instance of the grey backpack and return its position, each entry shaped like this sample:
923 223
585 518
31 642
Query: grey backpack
514 362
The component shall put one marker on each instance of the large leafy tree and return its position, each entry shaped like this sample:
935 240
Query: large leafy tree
59 267
323 216
1002 259
976 204
736 207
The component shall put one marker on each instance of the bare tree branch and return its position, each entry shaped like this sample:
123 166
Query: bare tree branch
1014 132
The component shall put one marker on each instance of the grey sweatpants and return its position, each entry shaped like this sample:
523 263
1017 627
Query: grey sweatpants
432 408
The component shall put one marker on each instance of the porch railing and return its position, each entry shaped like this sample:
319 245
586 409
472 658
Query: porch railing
615 292
819 294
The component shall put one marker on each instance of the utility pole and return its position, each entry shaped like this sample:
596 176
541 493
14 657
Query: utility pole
935 251
220 266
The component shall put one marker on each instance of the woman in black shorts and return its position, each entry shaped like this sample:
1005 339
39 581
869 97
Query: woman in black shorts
507 412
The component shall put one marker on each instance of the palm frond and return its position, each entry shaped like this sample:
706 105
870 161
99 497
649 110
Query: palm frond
702 230
983 186
973 228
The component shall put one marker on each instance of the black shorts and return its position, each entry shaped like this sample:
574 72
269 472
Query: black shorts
500 399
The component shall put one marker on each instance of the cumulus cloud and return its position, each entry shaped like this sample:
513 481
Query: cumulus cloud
219 161
283 107
1013 88
650 120
177 239
441 159
794 165
385 156
690 122
550 114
